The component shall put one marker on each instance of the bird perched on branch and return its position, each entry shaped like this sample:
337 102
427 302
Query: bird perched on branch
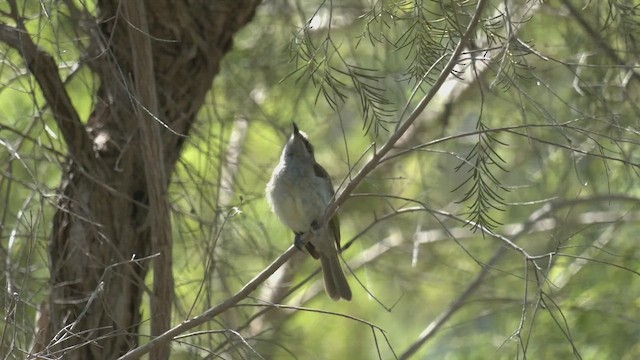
299 192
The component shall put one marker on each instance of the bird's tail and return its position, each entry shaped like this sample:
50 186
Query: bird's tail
335 283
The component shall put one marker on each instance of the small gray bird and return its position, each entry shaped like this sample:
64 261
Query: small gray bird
299 192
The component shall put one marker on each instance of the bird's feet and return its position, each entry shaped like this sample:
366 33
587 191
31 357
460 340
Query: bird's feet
297 241
315 226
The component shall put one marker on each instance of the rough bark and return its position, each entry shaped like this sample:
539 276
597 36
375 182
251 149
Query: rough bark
111 208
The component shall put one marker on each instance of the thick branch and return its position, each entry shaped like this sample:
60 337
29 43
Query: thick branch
45 71
146 99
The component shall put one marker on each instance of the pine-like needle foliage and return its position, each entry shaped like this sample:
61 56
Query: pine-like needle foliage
322 62
424 31
425 42
483 189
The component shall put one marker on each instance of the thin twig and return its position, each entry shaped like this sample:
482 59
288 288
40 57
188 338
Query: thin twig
214 311
437 323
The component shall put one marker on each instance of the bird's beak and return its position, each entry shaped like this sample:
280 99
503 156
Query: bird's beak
296 131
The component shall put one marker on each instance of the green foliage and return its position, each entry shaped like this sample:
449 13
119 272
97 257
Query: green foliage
484 188
330 73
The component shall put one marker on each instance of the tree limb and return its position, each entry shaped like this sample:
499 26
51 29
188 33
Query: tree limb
145 98
45 70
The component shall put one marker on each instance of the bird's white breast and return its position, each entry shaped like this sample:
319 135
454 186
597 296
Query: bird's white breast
297 196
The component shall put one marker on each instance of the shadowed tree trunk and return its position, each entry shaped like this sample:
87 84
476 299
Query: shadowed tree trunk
154 61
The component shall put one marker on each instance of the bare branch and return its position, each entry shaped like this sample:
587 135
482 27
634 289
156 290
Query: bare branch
214 311
45 71
437 323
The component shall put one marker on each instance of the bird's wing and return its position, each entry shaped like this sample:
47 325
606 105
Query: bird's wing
334 226
334 223
324 175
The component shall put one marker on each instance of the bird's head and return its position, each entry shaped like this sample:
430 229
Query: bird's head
298 147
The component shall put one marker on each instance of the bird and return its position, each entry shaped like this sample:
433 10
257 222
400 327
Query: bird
298 192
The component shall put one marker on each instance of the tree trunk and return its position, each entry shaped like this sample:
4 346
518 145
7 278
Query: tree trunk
155 62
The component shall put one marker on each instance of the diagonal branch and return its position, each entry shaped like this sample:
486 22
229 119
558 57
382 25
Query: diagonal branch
214 311
395 137
457 304
45 70
601 41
